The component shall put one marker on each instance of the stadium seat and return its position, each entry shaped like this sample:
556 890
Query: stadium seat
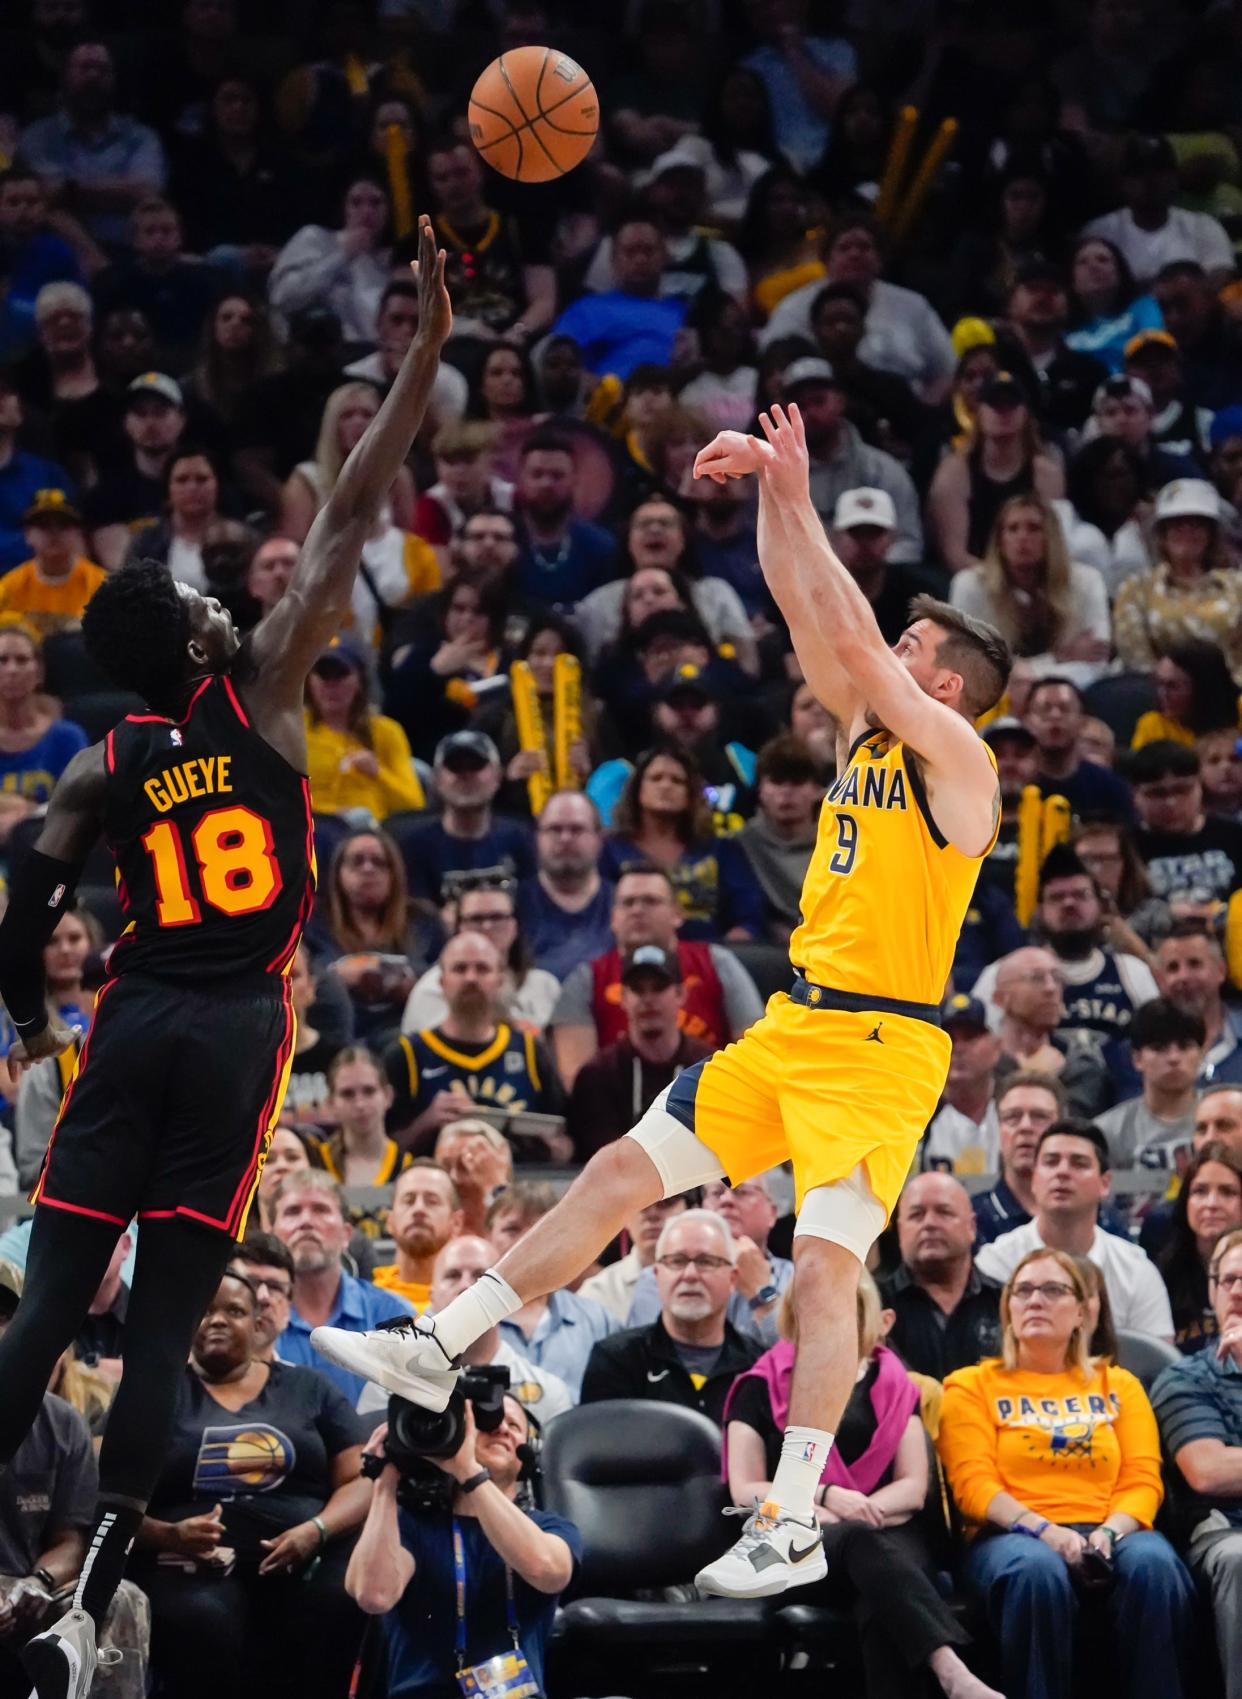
1145 1356
642 1482
1118 699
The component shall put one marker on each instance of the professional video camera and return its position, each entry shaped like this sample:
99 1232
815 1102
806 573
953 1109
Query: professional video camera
416 1435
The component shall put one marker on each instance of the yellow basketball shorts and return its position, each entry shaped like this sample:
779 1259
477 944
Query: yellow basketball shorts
825 1088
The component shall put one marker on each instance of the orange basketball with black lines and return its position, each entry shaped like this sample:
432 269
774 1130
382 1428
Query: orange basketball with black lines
534 114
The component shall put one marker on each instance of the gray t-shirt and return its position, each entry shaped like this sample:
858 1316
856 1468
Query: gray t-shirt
698 1360
1139 1139
49 1487
742 1002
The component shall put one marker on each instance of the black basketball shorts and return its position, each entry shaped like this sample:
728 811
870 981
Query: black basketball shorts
171 1109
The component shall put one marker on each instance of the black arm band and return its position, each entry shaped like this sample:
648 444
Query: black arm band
41 891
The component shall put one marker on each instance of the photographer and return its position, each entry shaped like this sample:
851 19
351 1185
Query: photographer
413 1568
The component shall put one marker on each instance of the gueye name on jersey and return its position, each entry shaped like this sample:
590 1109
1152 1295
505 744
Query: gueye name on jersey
870 787
206 775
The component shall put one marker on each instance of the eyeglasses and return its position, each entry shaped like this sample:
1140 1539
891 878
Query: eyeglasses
1227 1282
1050 1289
277 1288
678 1263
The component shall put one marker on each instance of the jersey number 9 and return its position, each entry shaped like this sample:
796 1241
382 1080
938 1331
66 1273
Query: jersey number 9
847 844
237 871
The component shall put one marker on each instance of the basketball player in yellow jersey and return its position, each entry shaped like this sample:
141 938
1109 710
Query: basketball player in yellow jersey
843 1073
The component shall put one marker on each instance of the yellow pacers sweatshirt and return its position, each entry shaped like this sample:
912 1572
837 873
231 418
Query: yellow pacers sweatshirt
336 784
1070 1449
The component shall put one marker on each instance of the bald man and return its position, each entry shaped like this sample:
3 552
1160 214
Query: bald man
947 1313
473 1056
1028 997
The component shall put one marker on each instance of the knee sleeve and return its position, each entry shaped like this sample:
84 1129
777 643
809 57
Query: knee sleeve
681 1158
848 1213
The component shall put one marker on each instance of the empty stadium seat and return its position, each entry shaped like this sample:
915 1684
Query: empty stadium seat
642 1483
1145 1356
1119 699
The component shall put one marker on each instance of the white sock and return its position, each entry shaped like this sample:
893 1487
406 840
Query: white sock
804 1451
472 1312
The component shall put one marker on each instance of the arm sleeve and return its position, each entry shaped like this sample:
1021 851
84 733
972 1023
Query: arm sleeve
1130 633
1150 1310
740 899
967 1446
604 1376
77 1477
1186 1411
742 1002
400 788
573 1006
306 268
1138 1490
41 890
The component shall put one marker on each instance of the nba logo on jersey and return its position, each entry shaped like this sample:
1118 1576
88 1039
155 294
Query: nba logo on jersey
174 737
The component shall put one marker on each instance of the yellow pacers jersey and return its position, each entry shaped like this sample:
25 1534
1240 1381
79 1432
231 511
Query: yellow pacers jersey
885 895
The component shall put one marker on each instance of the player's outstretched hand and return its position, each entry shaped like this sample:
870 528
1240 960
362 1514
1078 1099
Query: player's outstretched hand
787 471
54 1038
732 454
435 310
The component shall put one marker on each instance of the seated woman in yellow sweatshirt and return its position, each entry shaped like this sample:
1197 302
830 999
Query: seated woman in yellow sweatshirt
1054 1457
357 758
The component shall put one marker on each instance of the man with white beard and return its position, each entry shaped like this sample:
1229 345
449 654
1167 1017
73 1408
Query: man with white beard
690 1355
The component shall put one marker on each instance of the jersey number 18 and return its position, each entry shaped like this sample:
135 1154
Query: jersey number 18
237 870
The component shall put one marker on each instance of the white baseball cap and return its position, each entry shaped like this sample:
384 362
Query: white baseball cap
864 506
1188 498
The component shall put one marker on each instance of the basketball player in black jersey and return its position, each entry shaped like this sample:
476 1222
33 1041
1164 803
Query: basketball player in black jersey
205 805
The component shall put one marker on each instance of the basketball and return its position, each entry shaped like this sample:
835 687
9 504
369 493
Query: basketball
533 114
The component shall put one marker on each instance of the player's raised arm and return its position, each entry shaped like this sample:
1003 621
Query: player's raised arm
283 647
41 891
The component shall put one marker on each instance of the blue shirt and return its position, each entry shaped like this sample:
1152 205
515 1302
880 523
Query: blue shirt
617 332
1201 1398
19 480
801 134
585 559
45 258
359 1307
430 852
420 1631
565 1334
125 148
558 940
34 772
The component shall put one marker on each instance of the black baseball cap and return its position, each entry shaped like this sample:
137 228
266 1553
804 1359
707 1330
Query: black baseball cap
1008 726
687 681
961 1010
651 960
1002 391
477 748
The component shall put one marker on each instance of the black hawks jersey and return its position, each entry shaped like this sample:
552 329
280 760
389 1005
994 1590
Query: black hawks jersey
211 831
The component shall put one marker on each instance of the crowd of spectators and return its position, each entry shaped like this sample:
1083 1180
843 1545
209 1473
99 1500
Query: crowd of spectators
566 773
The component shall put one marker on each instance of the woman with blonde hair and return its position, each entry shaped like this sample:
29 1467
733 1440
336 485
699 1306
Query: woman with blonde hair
1053 1458
1049 609
874 1484
346 414
396 564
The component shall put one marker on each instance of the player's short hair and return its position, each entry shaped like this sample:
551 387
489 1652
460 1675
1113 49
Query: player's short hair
259 1247
136 628
971 647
